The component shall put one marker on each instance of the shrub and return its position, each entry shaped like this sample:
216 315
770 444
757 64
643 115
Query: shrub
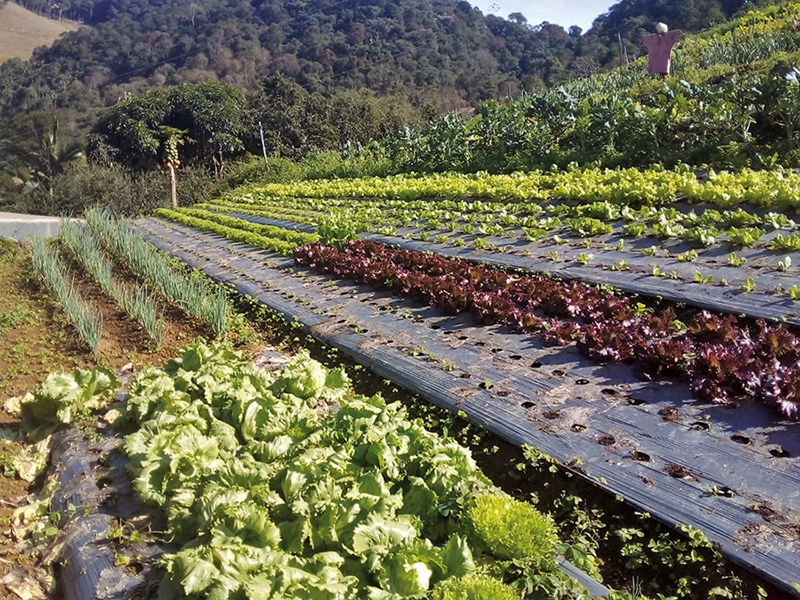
125 194
281 170
510 529
473 587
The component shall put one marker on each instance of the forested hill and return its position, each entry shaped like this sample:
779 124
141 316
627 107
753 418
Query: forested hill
442 51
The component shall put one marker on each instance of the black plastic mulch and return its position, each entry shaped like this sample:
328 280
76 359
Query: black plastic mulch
761 303
733 473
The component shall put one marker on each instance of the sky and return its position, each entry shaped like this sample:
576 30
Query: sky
563 12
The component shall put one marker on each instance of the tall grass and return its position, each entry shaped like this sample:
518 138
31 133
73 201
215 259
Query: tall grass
191 295
86 320
140 304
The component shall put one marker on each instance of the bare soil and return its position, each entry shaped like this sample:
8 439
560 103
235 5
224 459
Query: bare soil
36 339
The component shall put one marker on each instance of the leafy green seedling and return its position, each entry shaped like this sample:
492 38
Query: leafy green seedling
748 285
702 279
736 261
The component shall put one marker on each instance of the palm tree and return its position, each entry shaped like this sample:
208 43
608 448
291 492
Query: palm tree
49 157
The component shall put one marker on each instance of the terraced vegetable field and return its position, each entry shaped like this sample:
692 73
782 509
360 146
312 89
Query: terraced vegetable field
727 242
683 413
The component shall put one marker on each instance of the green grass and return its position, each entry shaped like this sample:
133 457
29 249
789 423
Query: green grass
21 31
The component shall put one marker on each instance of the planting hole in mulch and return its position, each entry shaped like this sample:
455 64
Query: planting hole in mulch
701 426
769 514
607 440
670 413
577 428
640 456
780 453
740 439
679 472
528 404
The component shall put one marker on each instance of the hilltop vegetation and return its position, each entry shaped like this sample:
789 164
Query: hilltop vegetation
732 102
444 51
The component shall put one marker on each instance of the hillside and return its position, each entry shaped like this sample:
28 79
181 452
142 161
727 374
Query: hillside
22 30
732 101
442 51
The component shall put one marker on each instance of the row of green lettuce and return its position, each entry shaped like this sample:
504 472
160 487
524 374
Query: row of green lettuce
625 187
287 485
272 239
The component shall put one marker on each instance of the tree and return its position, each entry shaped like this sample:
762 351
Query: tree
172 139
48 157
211 114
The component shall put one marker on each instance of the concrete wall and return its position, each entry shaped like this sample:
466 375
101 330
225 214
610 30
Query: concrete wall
20 227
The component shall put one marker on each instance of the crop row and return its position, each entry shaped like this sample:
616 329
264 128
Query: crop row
234 234
722 358
268 231
270 494
139 303
779 188
49 267
266 211
507 214
191 295
344 226
739 228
